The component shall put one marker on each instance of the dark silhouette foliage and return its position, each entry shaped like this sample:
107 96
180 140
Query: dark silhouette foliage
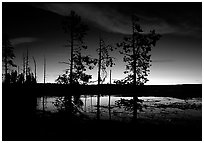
7 56
62 79
15 78
78 63
135 49
105 60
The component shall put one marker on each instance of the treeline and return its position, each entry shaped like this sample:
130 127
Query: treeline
135 49
12 74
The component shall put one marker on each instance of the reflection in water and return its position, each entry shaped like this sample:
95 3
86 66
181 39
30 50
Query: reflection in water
109 107
69 104
91 104
98 107
121 108
43 103
85 103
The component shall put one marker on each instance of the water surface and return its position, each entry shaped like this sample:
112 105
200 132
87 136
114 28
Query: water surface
117 107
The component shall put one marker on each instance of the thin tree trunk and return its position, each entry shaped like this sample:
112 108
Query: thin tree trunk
44 83
23 68
71 65
134 71
110 76
99 79
27 63
99 62
134 55
6 64
44 69
68 102
35 68
18 71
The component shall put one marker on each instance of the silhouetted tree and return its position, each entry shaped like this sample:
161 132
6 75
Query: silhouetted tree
136 54
27 76
81 65
27 68
14 76
7 55
78 63
20 78
76 31
30 79
104 61
23 74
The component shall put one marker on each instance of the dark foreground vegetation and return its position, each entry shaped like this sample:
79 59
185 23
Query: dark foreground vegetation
20 120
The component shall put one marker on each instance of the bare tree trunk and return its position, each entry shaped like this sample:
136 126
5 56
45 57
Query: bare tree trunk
6 64
110 76
18 71
26 63
35 68
23 68
44 83
99 62
44 69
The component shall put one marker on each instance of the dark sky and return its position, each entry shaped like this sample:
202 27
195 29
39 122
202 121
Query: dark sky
177 57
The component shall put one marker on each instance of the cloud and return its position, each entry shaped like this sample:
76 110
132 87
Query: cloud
159 24
108 19
22 40
113 20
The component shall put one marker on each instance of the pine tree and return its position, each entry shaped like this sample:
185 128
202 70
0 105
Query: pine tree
136 50
104 61
136 53
76 31
7 56
78 63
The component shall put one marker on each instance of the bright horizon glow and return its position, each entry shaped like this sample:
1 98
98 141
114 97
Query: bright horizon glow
177 57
